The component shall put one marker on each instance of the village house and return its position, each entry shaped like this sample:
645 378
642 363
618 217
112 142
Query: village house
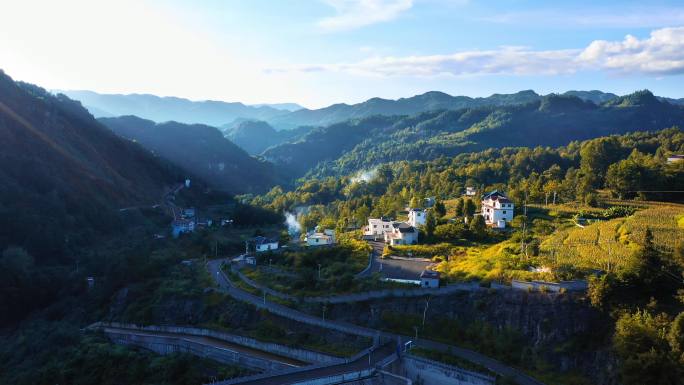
429 201
417 217
262 244
675 158
377 226
497 209
470 191
401 233
318 238
180 226
188 213
429 279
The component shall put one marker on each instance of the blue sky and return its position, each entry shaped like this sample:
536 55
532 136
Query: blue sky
319 52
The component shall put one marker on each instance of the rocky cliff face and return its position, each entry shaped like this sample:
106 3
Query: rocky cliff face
564 330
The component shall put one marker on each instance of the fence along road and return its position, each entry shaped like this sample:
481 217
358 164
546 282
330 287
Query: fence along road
225 285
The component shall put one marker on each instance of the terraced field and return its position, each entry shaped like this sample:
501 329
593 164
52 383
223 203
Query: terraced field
609 245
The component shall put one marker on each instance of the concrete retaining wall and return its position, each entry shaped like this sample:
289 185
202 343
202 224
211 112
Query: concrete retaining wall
338 379
432 372
168 345
576 285
281 350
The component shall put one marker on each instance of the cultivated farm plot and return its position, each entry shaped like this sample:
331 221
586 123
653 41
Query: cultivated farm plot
609 245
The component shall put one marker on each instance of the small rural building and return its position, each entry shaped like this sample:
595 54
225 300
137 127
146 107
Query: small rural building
318 238
675 158
497 209
417 217
429 279
262 244
430 201
401 233
470 191
188 212
377 226
180 226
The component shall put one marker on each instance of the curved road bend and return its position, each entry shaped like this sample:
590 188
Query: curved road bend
364 362
214 267
208 341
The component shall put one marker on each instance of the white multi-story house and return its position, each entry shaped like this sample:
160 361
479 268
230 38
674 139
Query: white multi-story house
317 238
401 233
180 226
417 217
497 209
377 226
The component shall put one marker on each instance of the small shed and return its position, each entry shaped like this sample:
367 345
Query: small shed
429 279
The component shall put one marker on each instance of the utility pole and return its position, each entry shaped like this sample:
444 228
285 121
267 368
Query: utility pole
216 250
427 304
416 329
319 271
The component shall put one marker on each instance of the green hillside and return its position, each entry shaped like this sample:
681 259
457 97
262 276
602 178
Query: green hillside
555 120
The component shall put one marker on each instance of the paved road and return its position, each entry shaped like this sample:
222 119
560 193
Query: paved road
225 285
477 358
368 361
208 341
395 268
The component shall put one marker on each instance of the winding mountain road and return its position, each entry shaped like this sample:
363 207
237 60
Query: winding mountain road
225 285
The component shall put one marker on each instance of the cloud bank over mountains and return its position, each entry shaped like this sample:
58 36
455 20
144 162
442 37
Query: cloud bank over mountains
662 53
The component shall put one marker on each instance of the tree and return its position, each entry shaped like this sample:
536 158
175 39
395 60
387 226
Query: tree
469 208
675 336
416 203
478 226
596 156
640 342
459 207
440 209
430 224
679 254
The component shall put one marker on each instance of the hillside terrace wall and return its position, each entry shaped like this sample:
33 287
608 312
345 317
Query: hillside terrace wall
281 350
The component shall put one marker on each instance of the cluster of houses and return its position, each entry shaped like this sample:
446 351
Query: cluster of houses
316 237
497 211
395 232
186 221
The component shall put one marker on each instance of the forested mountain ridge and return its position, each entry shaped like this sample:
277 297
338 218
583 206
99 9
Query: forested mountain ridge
554 120
201 150
61 169
63 179
162 109
255 136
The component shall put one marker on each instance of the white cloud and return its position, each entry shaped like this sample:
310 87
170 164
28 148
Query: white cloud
351 14
604 17
660 54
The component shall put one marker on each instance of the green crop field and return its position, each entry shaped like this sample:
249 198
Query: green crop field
609 245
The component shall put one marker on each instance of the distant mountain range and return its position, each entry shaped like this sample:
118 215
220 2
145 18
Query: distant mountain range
290 115
552 120
201 150
163 109
256 136
280 106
